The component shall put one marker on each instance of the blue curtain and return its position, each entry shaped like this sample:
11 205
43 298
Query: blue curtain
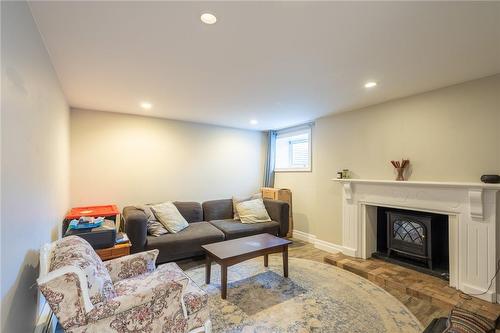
270 159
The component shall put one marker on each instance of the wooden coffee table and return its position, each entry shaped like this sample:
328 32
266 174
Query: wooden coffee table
231 252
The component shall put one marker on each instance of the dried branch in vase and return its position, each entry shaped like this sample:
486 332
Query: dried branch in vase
400 166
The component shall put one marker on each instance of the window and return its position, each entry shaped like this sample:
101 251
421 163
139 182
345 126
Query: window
293 150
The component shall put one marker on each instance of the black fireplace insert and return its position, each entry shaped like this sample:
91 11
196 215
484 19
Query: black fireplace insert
413 239
410 235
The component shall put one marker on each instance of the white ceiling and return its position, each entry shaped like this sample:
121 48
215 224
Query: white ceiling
281 63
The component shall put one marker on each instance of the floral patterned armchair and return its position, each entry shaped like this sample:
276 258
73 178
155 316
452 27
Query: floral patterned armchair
128 294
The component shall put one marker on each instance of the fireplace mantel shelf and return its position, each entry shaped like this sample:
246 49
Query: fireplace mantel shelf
421 183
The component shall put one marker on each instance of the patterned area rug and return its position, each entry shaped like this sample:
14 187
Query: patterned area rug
315 298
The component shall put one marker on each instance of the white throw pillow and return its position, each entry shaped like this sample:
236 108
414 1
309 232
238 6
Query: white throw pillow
237 200
252 211
169 216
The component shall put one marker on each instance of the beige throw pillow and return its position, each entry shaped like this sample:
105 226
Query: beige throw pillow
169 216
252 211
237 200
155 228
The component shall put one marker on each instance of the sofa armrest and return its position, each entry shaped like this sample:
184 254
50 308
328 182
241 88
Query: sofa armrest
136 227
131 265
65 290
160 300
279 211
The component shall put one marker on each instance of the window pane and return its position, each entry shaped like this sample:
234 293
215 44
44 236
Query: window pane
282 153
300 153
293 150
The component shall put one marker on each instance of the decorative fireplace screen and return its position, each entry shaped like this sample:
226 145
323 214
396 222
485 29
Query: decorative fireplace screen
409 231
409 235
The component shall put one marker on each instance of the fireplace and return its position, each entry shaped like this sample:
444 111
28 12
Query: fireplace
413 239
472 212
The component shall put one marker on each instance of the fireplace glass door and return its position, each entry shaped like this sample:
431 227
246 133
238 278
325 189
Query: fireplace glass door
409 235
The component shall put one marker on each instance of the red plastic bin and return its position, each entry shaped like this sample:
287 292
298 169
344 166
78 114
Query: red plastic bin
92 211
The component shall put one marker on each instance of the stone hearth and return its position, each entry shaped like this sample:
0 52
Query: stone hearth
393 277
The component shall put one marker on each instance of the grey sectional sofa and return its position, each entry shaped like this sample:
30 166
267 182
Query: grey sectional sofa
209 222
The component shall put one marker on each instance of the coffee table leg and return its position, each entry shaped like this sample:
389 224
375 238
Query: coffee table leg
266 260
223 281
208 269
285 261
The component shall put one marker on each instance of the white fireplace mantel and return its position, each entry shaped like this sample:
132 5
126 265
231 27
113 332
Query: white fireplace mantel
472 215
420 183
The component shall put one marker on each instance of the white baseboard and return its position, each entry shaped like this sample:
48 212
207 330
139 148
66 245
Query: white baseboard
328 247
320 244
304 236
488 296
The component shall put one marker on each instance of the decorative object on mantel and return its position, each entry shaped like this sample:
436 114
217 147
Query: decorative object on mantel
490 179
400 167
344 174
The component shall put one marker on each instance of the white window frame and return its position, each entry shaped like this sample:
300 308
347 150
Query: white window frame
296 131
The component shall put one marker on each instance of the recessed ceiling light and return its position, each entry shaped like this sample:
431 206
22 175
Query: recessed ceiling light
254 122
370 84
146 105
208 18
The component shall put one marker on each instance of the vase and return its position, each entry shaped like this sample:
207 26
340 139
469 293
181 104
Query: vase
400 173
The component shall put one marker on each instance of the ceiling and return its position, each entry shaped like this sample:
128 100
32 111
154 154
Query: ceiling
281 63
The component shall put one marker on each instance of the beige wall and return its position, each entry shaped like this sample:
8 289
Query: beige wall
127 159
34 167
451 134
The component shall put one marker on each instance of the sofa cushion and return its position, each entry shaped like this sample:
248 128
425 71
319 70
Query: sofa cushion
237 200
235 229
195 299
218 209
191 211
253 211
132 265
150 302
155 228
168 272
77 252
185 243
168 215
